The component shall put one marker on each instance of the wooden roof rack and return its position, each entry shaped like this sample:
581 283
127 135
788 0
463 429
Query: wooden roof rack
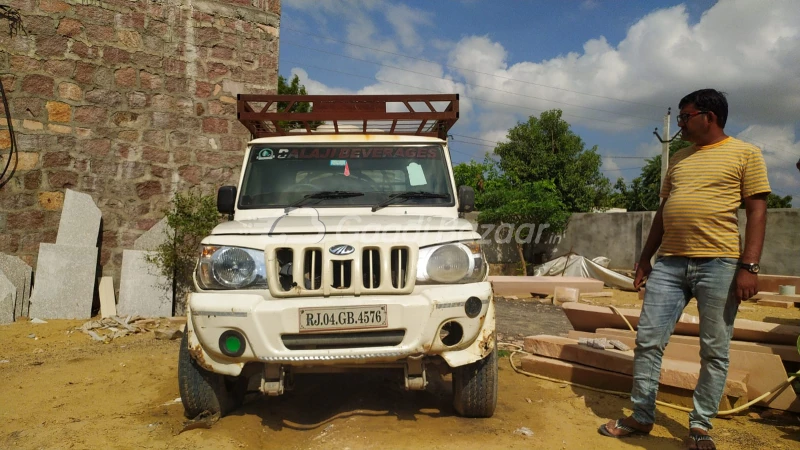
419 115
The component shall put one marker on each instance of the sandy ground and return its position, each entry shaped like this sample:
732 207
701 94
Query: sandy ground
61 390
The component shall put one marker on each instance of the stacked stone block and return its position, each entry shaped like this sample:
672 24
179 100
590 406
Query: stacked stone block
129 101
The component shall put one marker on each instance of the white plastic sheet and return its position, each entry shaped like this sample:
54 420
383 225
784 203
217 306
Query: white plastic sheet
578 266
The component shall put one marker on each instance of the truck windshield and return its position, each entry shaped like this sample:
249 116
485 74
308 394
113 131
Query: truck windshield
278 175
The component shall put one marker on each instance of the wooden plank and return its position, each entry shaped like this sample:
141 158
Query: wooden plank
677 373
590 318
787 353
766 370
610 381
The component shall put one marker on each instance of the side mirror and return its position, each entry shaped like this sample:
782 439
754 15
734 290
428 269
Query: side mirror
466 199
226 200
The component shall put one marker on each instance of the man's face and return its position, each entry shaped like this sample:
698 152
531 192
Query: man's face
693 122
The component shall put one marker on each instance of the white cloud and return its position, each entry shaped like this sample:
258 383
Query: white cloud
781 151
405 21
740 47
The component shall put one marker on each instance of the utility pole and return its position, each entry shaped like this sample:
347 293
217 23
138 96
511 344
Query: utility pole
665 145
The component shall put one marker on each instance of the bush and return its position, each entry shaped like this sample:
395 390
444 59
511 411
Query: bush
191 217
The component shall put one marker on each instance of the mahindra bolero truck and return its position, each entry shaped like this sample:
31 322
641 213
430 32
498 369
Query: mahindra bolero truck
344 250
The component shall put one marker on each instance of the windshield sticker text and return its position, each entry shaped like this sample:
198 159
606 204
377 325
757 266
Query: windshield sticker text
353 153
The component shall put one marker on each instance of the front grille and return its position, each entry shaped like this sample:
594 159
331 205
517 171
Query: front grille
299 270
358 339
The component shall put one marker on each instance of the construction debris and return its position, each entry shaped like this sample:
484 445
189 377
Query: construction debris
109 328
524 431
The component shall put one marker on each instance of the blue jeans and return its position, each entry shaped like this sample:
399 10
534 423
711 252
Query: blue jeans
672 283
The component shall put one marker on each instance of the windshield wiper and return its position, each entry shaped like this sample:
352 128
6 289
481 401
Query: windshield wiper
403 196
322 195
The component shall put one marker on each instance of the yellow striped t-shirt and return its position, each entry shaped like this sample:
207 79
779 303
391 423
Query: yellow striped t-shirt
704 187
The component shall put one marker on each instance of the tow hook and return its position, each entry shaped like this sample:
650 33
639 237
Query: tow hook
415 377
272 380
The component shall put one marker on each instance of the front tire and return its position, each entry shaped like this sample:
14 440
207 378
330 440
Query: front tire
475 387
205 391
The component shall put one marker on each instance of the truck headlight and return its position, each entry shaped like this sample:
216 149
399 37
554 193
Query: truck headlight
460 262
222 267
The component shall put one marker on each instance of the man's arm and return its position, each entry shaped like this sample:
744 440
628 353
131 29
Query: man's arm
651 246
756 210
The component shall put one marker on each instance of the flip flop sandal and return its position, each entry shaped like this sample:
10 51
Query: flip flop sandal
620 426
703 437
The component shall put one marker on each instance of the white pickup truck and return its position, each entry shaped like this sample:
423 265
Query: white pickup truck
344 250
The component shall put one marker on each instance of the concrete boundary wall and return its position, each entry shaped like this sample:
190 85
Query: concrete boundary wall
621 237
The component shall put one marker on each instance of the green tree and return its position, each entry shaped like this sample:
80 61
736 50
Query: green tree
294 87
643 192
776 201
505 200
191 217
545 149
476 175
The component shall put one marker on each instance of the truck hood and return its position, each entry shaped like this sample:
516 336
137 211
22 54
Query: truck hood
302 221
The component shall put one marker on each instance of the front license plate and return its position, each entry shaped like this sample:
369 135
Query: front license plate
343 318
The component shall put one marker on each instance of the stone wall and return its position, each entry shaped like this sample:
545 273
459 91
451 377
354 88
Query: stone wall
129 101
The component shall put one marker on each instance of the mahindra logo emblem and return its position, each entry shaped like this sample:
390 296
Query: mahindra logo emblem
342 249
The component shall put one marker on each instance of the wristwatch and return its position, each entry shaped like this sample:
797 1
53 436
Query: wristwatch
751 267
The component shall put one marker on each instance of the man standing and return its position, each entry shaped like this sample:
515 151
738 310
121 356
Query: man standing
699 256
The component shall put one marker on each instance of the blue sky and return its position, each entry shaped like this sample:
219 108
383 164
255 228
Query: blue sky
613 67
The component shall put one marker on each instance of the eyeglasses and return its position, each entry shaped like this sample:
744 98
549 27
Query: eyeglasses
682 118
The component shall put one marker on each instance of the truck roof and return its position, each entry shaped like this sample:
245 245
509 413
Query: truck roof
383 117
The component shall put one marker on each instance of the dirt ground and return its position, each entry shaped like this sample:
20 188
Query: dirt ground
62 390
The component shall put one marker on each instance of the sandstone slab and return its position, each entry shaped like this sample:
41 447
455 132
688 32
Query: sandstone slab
65 281
677 373
152 238
80 220
776 303
143 290
525 286
108 301
8 296
765 370
772 283
20 274
603 379
590 318
786 352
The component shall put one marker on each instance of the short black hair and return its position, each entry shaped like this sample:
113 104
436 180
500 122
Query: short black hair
708 100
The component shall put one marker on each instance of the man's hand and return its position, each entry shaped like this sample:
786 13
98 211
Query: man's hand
642 271
746 284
